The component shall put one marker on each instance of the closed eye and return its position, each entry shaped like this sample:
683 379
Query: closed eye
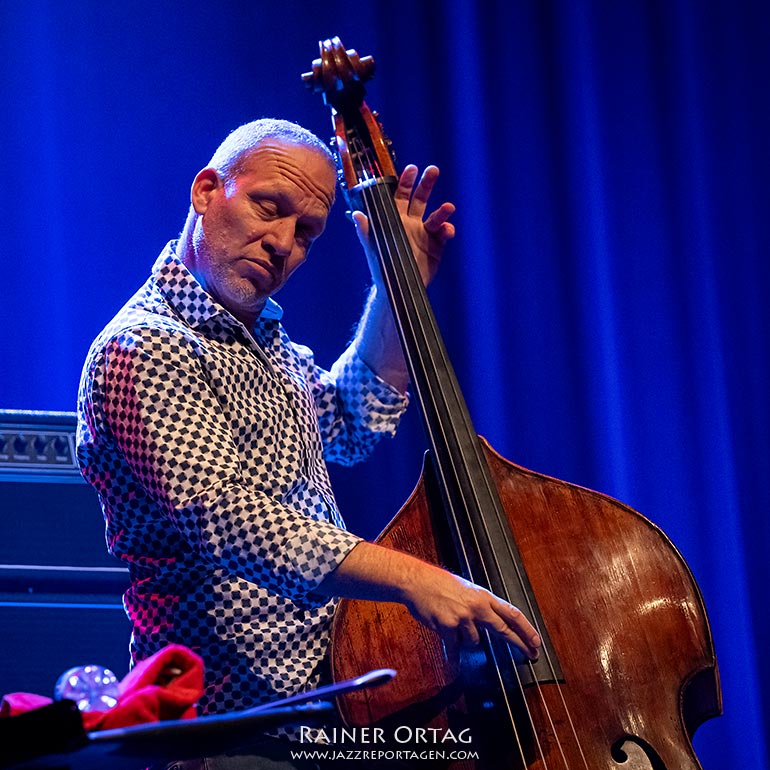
266 207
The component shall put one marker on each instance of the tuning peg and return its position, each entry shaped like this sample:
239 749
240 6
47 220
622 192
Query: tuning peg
342 63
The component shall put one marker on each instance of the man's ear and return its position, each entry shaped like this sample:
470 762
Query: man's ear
205 184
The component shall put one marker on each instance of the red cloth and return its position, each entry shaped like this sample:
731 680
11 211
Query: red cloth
16 703
165 686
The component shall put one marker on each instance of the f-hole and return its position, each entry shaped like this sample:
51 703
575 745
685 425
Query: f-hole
633 750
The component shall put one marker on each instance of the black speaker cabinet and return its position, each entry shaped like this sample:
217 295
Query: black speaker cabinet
60 591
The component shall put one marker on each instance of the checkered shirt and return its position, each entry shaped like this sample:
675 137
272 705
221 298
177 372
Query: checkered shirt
207 447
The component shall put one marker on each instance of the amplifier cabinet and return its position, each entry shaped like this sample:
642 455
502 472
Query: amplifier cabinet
60 590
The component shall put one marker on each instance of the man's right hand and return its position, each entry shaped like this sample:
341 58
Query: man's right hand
451 606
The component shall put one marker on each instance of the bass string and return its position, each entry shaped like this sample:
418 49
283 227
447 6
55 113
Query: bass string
387 230
382 227
411 282
399 256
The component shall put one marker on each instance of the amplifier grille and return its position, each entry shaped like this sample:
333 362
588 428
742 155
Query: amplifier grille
60 591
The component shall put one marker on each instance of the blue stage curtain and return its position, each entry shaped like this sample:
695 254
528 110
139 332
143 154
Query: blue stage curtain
605 300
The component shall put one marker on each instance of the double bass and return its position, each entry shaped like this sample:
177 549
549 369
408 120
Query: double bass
627 670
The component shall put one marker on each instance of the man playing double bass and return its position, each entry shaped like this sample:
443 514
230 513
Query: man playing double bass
205 431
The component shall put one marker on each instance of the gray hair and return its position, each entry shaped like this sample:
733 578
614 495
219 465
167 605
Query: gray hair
229 158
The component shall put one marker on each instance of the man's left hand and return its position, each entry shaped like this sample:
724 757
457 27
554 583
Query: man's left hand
427 235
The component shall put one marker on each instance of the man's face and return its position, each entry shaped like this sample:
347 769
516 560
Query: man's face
256 229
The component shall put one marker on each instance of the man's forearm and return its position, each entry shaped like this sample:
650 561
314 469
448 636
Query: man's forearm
378 344
443 602
375 573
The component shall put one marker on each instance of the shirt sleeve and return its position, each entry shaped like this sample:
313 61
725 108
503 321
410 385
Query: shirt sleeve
169 428
355 407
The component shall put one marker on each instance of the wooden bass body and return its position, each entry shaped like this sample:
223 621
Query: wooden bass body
624 615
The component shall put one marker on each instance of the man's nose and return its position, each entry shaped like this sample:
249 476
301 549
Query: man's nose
279 238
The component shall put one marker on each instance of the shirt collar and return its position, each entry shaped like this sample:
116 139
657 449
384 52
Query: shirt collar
189 299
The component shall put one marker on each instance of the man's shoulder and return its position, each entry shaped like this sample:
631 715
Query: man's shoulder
145 316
